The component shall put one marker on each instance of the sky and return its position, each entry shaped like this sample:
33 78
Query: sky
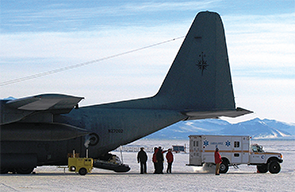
40 39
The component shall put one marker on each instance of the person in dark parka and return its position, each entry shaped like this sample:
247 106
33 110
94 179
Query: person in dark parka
154 159
160 160
142 159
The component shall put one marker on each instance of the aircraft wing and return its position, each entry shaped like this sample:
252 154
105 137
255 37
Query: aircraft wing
15 110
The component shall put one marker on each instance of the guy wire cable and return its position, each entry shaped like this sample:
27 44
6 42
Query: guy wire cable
42 74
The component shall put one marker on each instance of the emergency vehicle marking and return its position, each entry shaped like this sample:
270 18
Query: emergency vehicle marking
266 153
216 143
227 143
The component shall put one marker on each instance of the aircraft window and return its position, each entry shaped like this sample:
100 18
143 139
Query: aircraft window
236 144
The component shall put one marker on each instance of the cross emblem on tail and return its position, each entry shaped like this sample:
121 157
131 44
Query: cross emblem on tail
202 64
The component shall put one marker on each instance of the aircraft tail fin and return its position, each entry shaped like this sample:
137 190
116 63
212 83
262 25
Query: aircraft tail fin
198 83
199 78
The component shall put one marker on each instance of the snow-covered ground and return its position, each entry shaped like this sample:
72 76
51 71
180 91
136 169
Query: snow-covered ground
183 178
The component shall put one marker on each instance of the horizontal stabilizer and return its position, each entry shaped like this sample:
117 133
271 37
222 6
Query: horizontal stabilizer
215 114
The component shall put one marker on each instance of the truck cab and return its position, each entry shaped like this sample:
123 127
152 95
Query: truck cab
265 161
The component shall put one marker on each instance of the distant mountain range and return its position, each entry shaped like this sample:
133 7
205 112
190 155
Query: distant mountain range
256 128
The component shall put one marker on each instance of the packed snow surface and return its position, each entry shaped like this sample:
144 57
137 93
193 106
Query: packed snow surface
183 178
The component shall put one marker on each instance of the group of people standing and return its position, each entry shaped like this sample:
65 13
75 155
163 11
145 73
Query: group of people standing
158 160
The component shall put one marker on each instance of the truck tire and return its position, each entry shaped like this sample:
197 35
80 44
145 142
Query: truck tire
274 167
223 167
262 168
72 168
82 171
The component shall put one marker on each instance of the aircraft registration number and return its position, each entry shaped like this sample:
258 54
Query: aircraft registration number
115 130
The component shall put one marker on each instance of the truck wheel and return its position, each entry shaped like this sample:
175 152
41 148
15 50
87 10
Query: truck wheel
262 168
24 170
82 171
72 168
274 167
223 167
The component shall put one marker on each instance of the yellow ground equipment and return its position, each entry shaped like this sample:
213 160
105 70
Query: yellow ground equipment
80 165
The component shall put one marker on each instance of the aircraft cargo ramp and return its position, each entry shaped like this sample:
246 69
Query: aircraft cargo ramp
117 167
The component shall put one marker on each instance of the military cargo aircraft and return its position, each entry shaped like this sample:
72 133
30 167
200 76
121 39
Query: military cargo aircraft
44 129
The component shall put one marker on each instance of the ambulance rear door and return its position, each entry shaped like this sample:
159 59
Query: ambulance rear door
195 150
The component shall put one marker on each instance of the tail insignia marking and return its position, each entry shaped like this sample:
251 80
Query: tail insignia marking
202 64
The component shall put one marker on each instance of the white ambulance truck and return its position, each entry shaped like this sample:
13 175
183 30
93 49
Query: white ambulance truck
234 150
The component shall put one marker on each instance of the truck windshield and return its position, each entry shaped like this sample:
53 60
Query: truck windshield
257 148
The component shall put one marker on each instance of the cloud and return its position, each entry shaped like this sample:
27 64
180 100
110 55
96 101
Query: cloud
261 46
64 17
170 6
133 75
267 97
